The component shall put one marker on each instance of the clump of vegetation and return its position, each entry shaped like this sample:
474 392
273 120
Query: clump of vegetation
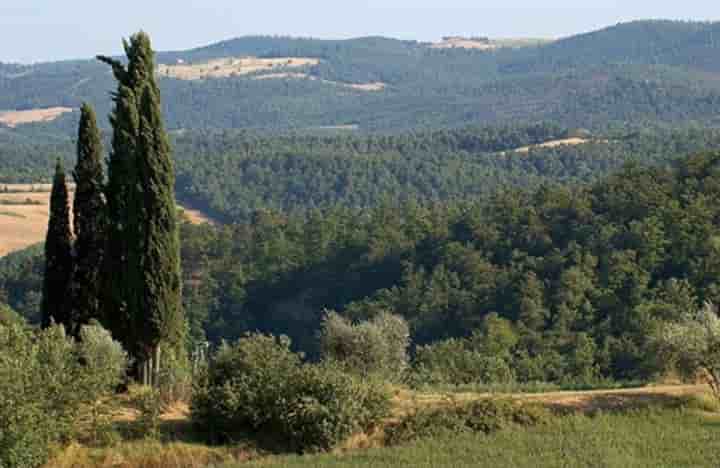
48 385
693 344
259 385
375 347
483 416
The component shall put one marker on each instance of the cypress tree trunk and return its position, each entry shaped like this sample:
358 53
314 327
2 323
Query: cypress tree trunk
58 256
89 216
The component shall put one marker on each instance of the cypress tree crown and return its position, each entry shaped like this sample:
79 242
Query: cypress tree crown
90 221
55 306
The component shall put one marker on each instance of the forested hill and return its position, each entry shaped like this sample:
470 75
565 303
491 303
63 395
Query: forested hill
648 71
231 174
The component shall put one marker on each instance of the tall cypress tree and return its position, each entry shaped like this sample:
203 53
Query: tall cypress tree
89 221
143 247
58 256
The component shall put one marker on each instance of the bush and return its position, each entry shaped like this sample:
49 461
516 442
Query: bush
693 345
374 347
482 416
453 362
260 385
47 384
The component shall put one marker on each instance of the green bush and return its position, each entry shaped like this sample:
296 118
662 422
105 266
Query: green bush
453 362
47 384
375 347
258 385
482 416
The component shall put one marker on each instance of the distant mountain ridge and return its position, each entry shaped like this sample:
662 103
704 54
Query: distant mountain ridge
643 71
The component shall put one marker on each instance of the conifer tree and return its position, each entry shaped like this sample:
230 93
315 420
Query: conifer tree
143 267
58 256
89 221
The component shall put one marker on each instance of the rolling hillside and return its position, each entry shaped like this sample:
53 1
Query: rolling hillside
646 71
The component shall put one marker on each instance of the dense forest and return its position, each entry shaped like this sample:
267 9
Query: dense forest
645 71
232 174
571 279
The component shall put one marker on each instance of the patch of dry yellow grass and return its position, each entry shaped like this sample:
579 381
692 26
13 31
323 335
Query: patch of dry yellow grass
554 144
14 118
370 87
231 66
463 43
148 454
23 225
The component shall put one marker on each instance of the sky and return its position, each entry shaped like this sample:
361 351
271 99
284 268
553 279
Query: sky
49 30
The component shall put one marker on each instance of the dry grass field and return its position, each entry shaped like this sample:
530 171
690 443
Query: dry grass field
24 212
490 44
554 144
183 450
370 87
14 118
231 66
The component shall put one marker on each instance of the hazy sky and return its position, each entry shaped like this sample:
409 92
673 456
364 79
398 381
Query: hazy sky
36 30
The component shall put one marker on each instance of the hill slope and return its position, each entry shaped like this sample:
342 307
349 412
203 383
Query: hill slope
642 71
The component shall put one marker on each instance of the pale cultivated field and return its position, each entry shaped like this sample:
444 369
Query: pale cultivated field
554 144
225 67
370 87
23 225
14 118
467 43
462 43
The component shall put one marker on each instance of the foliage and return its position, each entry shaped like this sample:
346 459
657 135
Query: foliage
614 440
143 266
634 72
59 263
89 221
377 347
259 385
47 384
694 344
483 416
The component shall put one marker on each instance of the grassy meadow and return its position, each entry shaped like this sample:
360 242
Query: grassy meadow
674 431
643 438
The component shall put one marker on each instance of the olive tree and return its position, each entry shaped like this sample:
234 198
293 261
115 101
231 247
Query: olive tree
693 343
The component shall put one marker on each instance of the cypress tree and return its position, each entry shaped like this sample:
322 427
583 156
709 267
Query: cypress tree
58 256
143 267
89 221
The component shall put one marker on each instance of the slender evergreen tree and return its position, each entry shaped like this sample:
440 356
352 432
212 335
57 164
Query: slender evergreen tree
143 258
58 256
89 221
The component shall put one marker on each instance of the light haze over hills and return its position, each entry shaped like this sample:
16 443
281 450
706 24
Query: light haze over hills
47 30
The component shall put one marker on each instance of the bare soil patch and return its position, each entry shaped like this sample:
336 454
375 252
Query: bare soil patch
231 66
14 118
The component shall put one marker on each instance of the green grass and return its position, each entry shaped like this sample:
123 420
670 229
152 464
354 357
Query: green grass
647 438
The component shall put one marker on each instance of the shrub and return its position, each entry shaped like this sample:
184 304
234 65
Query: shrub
482 416
377 346
259 385
693 345
149 404
453 362
47 384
